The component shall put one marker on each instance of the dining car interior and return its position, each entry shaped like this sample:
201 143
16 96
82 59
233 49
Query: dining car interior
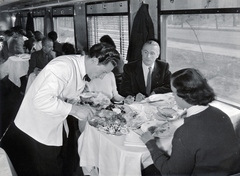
119 87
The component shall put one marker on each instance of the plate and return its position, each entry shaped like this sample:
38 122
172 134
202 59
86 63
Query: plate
168 97
88 94
150 125
169 113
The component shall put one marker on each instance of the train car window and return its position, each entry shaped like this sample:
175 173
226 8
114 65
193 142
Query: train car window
209 42
114 26
64 26
109 18
63 23
38 19
198 4
39 24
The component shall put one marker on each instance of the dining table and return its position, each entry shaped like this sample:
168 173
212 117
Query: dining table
122 155
15 67
104 154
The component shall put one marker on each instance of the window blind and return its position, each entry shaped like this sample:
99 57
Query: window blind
114 26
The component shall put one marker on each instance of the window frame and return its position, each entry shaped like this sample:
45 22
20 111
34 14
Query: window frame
65 11
122 12
163 15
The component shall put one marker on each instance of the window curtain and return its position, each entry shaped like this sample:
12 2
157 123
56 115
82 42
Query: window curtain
18 21
30 23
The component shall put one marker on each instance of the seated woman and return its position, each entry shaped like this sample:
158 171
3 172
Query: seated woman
206 144
107 86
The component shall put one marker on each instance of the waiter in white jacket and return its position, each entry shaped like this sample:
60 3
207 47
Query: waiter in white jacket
36 137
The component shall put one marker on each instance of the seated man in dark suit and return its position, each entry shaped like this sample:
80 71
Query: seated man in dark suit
148 75
39 59
57 46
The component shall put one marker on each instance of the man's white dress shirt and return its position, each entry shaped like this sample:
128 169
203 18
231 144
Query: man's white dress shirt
44 108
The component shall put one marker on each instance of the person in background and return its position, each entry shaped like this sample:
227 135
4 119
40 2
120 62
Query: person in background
206 144
38 41
16 45
68 48
38 136
39 59
8 36
146 76
57 47
29 43
119 69
107 84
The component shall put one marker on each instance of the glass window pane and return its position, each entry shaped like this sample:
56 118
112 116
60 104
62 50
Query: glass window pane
114 26
210 43
198 4
39 24
64 26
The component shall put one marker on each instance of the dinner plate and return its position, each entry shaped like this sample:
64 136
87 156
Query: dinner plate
88 94
169 113
160 97
154 123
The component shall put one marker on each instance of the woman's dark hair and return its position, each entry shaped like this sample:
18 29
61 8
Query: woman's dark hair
191 86
105 53
29 34
107 39
68 48
53 35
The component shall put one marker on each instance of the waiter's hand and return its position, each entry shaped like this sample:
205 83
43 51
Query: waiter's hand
146 136
82 112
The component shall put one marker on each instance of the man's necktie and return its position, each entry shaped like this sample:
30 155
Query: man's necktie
86 78
149 81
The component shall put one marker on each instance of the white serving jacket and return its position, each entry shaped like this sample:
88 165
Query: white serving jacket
44 108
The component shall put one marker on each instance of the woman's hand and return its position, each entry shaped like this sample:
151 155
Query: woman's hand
129 99
146 136
82 112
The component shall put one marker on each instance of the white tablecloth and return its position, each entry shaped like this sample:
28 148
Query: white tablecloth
110 155
6 168
15 67
31 78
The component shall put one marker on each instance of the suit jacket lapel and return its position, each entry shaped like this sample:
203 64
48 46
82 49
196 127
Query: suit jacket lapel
156 74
